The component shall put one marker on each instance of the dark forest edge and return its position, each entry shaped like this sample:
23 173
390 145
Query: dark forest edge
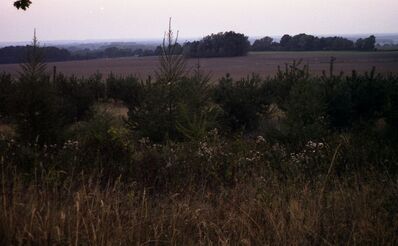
227 44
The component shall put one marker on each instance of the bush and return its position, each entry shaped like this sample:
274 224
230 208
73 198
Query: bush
306 111
36 110
368 97
196 113
103 142
391 102
127 90
34 103
7 86
170 112
175 105
358 100
243 102
339 104
152 117
280 85
76 95
96 86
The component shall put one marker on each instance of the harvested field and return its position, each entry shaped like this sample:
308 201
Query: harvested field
263 63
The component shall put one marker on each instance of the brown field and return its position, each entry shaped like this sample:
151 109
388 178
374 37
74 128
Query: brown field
263 63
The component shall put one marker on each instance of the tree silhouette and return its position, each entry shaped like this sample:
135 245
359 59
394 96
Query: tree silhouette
22 4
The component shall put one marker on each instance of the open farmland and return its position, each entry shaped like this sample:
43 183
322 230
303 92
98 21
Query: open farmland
263 63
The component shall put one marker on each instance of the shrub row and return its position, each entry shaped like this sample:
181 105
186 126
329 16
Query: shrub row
311 107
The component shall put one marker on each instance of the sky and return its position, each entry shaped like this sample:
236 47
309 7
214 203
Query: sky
148 19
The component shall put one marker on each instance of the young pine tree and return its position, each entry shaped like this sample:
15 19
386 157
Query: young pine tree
35 103
155 115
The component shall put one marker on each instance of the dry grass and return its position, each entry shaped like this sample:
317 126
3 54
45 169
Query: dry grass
7 130
83 210
116 109
263 63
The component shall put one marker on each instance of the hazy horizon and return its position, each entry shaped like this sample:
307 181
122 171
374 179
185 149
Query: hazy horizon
76 20
155 41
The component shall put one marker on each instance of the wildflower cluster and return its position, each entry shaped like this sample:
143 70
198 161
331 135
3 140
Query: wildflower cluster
254 156
211 146
314 146
71 145
311 150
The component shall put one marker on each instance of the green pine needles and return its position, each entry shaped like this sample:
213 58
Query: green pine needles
34 66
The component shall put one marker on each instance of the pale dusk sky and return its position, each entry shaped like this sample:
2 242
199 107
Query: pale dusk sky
133 19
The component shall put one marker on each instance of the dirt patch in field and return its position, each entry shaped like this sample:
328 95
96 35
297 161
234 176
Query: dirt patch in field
263 63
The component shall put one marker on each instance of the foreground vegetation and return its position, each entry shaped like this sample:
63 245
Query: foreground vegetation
84 209
291 159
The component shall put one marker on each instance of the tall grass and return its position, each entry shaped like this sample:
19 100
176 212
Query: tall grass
85 210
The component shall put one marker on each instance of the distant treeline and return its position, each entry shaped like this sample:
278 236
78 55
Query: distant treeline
113 52
223 44
385 47
229 44
17 54
304 42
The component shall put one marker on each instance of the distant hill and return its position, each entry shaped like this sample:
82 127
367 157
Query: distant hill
18 54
